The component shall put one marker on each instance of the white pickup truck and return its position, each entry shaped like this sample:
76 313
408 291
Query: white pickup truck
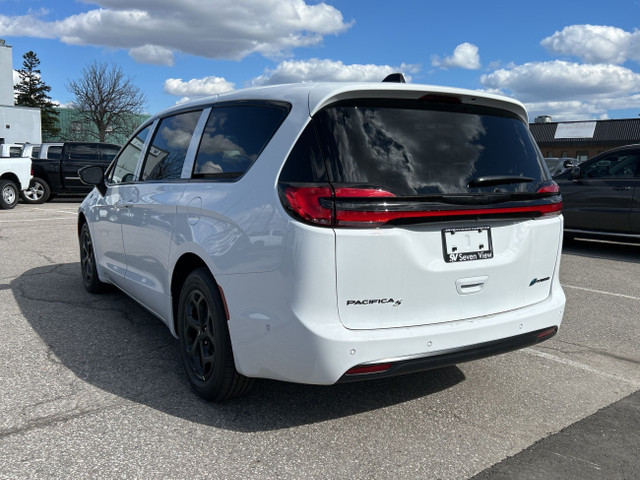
15 175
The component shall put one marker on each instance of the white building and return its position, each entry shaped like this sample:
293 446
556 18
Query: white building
17 124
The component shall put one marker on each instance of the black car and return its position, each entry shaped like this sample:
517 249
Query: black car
601 197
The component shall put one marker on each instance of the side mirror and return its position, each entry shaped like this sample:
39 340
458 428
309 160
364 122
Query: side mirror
93 175
575 173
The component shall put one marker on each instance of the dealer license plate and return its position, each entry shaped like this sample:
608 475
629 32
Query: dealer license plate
466 244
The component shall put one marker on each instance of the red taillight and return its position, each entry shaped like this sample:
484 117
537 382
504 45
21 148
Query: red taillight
369 207
305 202
364 369
346 192
551 187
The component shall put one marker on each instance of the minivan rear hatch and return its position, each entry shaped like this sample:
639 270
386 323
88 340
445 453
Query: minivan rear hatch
442 211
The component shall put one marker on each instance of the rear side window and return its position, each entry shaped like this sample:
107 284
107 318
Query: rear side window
234 137
55 152
83 152
414 148
168 150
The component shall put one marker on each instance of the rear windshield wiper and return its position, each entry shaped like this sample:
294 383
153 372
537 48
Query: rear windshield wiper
490 180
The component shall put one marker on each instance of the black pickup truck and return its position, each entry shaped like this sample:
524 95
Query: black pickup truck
59 175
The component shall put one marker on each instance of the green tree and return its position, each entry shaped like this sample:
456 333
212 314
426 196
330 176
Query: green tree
107 98
33 92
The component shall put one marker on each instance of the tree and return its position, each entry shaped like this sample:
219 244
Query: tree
33 92
108 99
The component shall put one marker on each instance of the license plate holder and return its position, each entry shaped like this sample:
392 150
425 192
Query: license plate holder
466 244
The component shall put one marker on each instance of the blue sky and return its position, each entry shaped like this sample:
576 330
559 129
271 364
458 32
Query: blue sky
573 60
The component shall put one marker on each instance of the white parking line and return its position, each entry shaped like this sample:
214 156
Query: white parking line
601 292
36 220
73 212
582 366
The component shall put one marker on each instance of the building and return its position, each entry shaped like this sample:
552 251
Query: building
583 139
74 128
17 124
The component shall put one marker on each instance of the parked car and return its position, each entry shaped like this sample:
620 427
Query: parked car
50 151
409 227
15 174
10 150
558 165
601 196
55 171
31 150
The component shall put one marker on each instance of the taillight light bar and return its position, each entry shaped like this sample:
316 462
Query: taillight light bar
352 207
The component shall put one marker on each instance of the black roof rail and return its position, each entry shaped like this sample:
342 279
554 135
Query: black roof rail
395 78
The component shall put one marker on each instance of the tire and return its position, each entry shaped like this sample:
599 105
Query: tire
38 191
88 263
9 194
205 346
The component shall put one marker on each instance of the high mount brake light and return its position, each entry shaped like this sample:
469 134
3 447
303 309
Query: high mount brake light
368 206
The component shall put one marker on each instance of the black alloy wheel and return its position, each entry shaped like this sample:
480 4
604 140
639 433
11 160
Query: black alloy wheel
88 263
205 345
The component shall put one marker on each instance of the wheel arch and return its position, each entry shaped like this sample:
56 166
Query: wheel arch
12 177
186 264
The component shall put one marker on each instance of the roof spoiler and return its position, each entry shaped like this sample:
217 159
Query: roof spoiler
395 78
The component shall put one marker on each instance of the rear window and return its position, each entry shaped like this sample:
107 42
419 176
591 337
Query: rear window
414 148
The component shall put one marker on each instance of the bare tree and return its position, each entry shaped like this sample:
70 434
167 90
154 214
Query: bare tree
108 99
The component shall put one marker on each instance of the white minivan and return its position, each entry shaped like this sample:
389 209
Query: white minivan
331 232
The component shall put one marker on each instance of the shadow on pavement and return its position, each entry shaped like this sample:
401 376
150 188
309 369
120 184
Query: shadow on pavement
111 342
611 250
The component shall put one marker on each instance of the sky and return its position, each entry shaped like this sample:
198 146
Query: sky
573 60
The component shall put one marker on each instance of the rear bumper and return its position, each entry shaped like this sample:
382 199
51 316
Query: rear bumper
310 345
452 357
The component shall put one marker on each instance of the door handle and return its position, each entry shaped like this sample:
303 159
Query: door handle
622 188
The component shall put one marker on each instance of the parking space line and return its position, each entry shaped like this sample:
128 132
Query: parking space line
73 212
582 366
35 220
602 292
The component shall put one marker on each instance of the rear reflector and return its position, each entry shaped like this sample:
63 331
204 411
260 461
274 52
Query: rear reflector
549 332
364 369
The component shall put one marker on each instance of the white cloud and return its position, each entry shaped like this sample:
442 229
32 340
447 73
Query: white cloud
568 90
464 56
152 54
197 87
595 43
559 80
318 70
230 29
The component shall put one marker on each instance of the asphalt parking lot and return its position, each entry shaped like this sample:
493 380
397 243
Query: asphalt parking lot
92 387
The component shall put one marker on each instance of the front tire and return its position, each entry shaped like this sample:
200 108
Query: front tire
88 263
205 346
8 194
38 191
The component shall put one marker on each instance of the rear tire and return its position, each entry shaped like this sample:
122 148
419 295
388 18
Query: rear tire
88 263
38 191
205 346
9 194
